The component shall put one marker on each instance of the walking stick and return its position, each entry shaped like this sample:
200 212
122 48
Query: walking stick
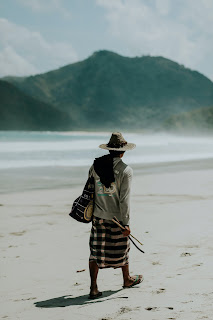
116 221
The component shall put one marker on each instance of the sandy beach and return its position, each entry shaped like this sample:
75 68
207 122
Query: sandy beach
42 248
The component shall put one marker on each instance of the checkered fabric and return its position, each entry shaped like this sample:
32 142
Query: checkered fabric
108 246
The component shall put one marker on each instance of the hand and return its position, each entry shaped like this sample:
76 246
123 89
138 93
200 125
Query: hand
126 232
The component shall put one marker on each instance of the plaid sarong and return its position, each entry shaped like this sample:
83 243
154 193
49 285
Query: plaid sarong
108 246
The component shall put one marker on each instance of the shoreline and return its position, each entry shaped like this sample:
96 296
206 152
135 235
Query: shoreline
50 178
183 133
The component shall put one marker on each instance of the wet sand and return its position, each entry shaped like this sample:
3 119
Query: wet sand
24 179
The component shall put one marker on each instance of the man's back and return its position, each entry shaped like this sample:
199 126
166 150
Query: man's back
113 201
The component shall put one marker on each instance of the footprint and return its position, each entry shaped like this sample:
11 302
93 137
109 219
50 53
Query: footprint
77 284
159 290
187 301
32 298
185 254
124 310
190 246
19 233
156 263
151 308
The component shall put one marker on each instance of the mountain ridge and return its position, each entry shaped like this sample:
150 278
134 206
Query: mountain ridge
19 111
108 90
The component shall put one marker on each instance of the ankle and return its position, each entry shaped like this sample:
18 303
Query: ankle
93 286
127 278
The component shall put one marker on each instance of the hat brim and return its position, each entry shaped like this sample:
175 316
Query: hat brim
128 146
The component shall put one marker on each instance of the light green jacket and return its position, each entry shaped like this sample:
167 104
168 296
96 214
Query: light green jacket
115 200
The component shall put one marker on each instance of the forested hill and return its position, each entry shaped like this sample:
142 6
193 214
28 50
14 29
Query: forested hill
199 120
21 112
111 91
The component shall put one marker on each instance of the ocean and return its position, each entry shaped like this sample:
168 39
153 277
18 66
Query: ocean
19 149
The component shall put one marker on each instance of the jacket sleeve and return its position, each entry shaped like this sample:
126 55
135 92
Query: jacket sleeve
125 194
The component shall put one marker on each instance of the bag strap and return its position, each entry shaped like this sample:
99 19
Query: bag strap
91 173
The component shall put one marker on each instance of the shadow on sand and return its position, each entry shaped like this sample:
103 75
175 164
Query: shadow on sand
66 301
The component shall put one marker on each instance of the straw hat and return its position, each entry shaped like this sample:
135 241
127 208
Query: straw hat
117 143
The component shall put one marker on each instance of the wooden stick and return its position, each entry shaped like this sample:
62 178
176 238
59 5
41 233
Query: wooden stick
118 224
115 220
136 239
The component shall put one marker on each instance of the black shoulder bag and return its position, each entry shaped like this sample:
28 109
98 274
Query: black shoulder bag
83 206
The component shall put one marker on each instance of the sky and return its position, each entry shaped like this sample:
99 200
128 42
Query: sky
37 36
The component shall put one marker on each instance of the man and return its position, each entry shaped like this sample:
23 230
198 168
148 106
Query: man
109 244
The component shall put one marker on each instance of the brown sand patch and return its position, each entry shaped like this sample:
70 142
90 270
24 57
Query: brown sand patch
19 233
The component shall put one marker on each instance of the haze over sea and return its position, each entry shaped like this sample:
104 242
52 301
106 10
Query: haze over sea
76 149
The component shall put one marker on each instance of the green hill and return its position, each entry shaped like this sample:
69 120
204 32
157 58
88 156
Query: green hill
21 112
197 120
111 91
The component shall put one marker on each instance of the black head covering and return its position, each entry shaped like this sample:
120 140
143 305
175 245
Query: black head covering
104 168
